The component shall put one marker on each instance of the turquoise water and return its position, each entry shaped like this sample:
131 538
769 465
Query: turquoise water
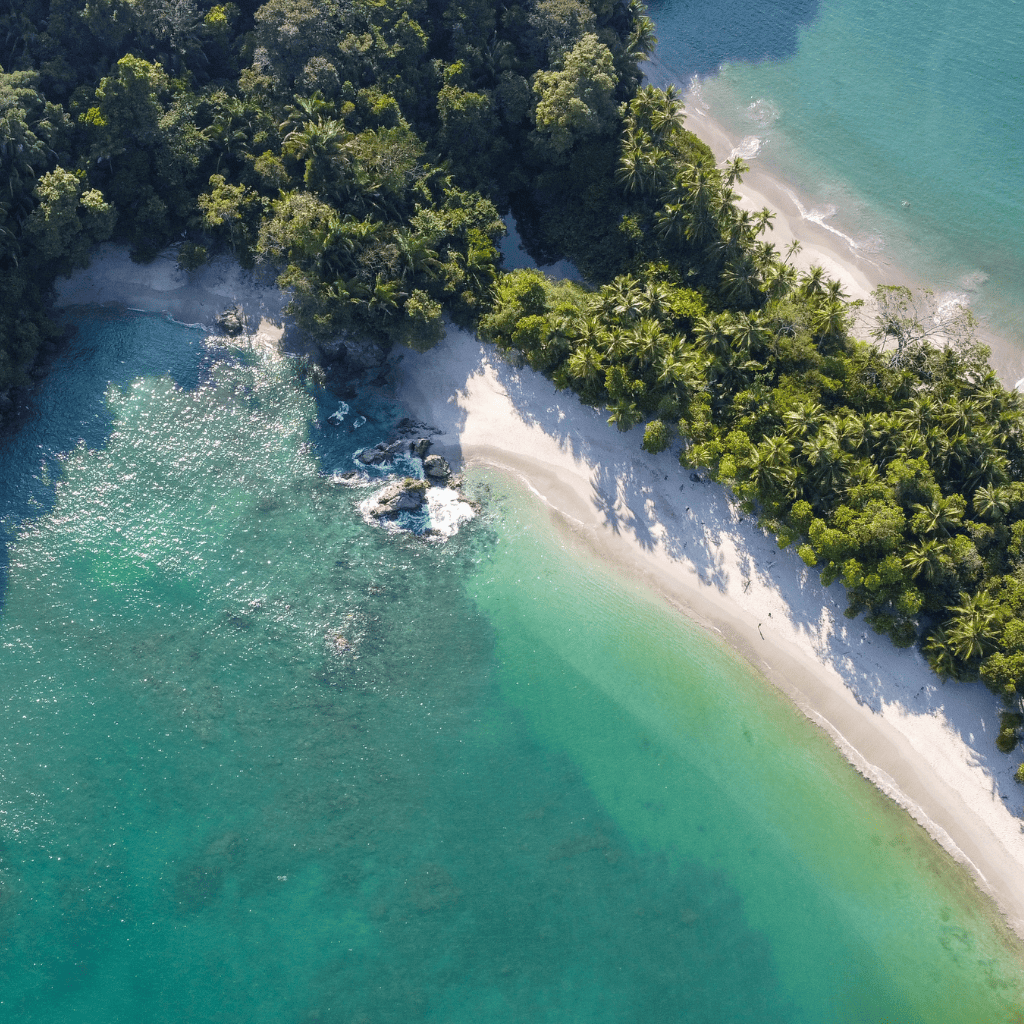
866 105
520 791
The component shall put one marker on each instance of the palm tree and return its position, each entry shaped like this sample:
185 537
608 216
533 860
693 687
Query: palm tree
666 114
801 420
642 163
741 280
826 462
587 329
768 466
623 297
911 444
734 171
646 342
835 291
586 366
415 255
972 630
679 367
763 220
656 298
959 417
347 292
779 278
942 516
939 652
736 233
925 557
848 433
671 222
384 297
228 132
642 40
324 147
693 204
617 345
864 473
812 283
991 502
625 414
303 110
478 266
644 103
792 249
713 334
633 172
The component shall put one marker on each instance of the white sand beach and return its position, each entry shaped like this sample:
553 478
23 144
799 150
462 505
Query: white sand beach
928 744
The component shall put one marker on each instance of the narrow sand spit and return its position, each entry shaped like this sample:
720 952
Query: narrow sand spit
929 745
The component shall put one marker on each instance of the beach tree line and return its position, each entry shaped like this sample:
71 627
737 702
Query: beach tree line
365 152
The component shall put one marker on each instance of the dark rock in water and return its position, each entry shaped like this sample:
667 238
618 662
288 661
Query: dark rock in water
372 456
231 322
357 353
697 478
382 453
437 469
420 447
401 496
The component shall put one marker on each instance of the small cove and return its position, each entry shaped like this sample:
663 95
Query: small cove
525 791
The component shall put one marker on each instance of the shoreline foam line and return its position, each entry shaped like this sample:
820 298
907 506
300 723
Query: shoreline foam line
763 186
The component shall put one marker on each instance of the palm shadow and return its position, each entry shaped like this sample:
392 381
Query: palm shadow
697 524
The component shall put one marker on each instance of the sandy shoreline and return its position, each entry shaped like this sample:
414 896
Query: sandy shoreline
929 745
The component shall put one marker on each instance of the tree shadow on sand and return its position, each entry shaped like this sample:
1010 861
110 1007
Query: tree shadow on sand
694 522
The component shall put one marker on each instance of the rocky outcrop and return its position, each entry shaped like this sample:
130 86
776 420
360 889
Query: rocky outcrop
231 322
437 470
442 508
406 495
384 454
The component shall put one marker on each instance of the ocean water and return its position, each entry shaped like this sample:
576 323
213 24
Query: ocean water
263 762
898 124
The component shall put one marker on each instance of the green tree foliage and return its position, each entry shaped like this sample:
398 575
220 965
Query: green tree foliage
67 222
575 103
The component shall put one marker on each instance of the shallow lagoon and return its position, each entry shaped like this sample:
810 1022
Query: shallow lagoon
521 790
